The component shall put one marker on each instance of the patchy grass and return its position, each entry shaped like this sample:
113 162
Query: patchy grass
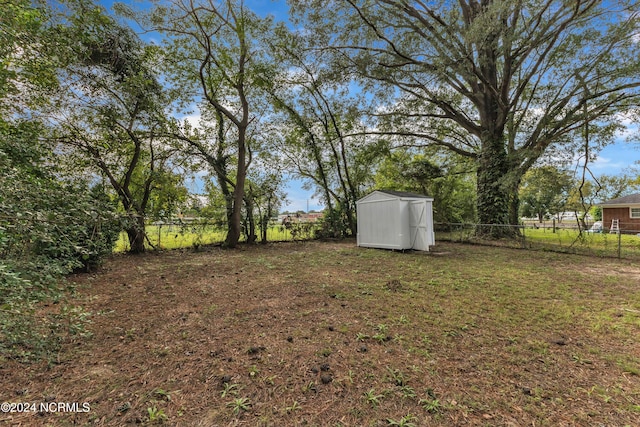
329 334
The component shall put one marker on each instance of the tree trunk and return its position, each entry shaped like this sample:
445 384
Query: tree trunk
493 191
235 225
136 235
514 205
251 220
581 222
264 227
235 228
228 197
264 221
350 213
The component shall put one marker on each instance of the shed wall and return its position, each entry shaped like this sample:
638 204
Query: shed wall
392 222
379 224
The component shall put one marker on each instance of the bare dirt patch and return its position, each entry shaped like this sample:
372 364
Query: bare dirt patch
623 271
331 334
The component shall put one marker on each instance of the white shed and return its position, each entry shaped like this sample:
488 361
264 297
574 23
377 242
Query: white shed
395 220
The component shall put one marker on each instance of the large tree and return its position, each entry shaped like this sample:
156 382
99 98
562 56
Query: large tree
215 57
321 113
498 81
111 112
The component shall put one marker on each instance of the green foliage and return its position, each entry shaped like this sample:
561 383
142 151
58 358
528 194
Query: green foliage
215 52
239 404
372 398
502 84
51 224
25 67
294 407
446 178
115 113
544 191
230 389
322 140
334 223
584 196
156 415
431 405
51 221
215 209
406 421
396 377
614 186
263 196
168 195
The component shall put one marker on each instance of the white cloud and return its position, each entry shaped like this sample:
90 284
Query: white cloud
606 163
193 119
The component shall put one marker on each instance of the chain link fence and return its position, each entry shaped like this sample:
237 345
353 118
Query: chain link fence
558 238
197 233
550 236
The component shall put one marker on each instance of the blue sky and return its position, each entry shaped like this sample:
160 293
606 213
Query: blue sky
615 158
612 160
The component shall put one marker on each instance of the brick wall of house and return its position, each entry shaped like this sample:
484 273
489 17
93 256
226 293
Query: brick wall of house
622 214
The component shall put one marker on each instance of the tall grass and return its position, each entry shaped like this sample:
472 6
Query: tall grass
173 236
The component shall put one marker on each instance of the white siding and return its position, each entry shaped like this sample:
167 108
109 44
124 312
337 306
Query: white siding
377 224
421 225
395 222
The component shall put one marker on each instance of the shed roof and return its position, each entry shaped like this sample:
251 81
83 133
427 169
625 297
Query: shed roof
404 194
632 199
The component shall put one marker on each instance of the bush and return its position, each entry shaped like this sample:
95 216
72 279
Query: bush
50 225
333 224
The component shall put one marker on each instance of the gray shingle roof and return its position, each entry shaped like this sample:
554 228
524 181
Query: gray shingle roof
626 200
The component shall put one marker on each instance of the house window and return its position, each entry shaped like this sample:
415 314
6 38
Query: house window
635 213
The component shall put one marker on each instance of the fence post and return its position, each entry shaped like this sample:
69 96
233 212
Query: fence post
554 225
619 244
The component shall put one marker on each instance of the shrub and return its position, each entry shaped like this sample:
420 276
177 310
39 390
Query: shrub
50 225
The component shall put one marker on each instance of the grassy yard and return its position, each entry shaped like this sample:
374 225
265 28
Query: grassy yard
328 334
175 236
562 240
604 242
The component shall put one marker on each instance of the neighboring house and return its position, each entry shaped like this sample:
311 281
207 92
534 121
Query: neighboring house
626 210
293 218
309 217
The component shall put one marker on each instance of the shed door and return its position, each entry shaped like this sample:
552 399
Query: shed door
419 225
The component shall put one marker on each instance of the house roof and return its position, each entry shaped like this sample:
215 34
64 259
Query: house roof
632 199
404 194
